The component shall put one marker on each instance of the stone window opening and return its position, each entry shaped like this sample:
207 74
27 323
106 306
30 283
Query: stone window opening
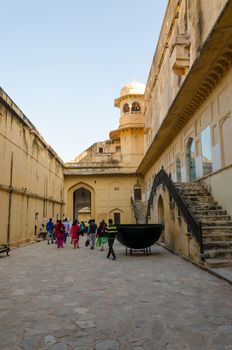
178 168
135 107
137 191
126 108
190 155
206 150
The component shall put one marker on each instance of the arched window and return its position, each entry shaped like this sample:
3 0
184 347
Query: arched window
206 150
178 168
126 108
135 107
191 164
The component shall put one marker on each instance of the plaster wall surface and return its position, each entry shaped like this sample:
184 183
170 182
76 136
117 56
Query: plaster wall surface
185 28
31 178
219 184
215 112
109 195
174 234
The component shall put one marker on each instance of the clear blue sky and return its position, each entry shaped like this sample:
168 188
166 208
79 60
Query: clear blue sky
63 62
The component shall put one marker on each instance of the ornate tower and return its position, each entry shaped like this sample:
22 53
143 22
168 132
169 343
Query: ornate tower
131 124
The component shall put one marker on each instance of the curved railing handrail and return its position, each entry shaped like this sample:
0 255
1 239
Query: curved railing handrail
193 224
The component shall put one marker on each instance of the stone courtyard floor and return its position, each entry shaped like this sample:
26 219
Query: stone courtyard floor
62 299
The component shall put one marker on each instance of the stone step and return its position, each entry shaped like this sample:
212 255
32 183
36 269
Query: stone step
194 190
199 199
209 212
213 263
139 211
216 221
218 245
188 184
196 205
210 230
217 237
216 218
207 207
194 193
218 253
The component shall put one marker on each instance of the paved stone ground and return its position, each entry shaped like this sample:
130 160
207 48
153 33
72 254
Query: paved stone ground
67 299
225 272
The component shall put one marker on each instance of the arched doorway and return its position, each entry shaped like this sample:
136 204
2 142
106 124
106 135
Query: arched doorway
161 217
191 164
117 215
82 204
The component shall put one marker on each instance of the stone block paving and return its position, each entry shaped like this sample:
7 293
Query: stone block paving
66 299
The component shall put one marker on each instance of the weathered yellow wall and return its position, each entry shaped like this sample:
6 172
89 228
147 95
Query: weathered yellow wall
215 112
132 145
175 229
192 24
220 184
37 176
109 194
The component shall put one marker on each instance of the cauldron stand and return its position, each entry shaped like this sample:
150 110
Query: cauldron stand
146 251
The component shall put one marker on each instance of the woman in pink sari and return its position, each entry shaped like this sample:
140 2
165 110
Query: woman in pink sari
74 233
59 232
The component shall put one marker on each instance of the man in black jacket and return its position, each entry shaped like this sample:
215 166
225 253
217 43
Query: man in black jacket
110 232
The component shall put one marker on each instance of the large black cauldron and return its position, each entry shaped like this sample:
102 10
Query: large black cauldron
137 236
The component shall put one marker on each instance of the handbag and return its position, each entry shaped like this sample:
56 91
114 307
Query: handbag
98 242
87 242
104 240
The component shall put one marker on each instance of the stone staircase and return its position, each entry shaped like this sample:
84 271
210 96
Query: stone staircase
140 209
216 224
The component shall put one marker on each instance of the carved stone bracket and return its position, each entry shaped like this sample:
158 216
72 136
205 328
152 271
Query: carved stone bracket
180 54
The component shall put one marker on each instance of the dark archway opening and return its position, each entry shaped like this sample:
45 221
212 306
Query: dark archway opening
82 204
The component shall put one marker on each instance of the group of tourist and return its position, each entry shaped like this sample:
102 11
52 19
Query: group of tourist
97 235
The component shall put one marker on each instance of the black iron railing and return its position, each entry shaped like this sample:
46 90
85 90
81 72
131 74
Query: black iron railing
193 224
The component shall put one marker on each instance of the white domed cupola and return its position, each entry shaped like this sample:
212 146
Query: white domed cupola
130 103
